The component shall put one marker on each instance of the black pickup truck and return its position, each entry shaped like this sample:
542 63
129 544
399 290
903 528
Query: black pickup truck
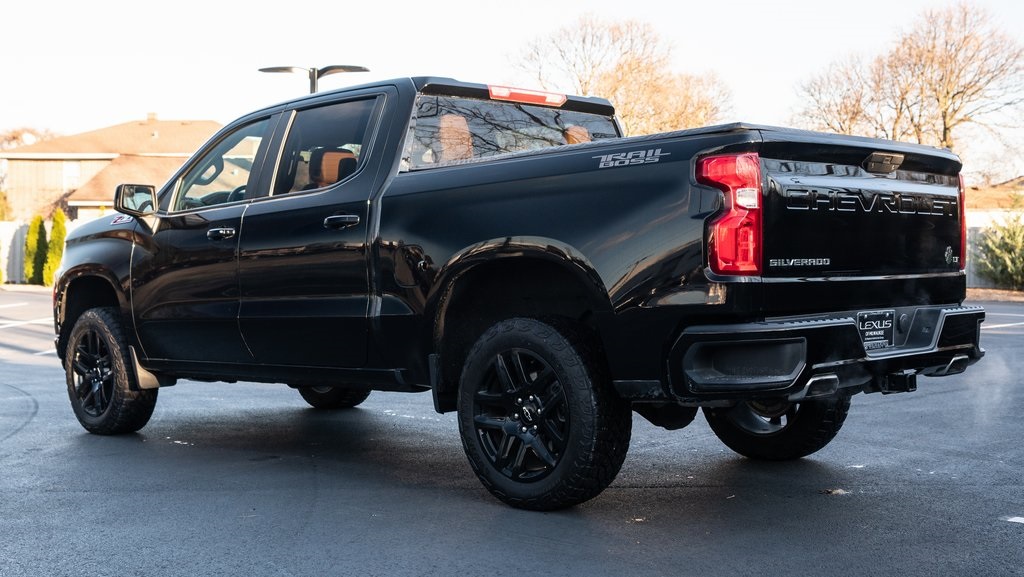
511 253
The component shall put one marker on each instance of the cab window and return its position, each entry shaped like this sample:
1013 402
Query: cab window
225 173
448 130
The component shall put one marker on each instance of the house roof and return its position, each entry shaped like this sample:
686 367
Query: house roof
153 170
150 136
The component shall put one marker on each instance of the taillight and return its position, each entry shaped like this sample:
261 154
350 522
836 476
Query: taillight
963 224
734 243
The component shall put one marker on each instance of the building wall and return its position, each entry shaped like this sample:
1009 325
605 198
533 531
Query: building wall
33 186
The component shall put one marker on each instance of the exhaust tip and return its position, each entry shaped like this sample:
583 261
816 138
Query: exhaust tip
817 386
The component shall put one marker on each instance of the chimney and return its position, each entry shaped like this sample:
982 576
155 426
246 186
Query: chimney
151 117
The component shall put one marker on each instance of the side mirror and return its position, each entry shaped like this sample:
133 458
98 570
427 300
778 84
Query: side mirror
135 199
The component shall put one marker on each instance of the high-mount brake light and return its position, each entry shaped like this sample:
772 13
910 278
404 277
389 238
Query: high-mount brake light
735 239
526 96
963 223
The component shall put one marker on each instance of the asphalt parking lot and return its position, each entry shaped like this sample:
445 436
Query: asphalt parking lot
245 479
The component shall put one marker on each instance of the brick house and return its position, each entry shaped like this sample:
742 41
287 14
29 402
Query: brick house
78 173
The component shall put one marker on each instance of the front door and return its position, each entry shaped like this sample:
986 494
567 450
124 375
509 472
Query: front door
185 295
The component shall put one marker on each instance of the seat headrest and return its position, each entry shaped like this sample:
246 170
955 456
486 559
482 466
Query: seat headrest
455 139
576 134
325 164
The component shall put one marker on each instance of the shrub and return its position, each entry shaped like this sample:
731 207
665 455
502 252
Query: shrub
1000 251
35 251
55 249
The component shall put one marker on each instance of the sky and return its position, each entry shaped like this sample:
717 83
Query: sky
73 66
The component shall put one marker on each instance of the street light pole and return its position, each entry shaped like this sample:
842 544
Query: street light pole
315 74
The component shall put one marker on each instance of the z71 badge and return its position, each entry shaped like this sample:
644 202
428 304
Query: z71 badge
648 156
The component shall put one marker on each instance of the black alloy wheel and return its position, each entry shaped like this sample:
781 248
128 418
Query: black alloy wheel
521 416
539 421
94 377
100 378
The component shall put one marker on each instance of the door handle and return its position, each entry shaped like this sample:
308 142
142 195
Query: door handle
220 233
340 221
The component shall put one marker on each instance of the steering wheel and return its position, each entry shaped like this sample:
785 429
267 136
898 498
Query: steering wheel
236 194
146 206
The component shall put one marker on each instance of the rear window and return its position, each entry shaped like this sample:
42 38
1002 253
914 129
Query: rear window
448 130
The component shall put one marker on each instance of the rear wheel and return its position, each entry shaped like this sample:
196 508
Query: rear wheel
333 397
779 430
100 379
539 422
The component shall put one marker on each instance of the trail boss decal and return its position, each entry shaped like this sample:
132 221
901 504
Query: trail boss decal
649 156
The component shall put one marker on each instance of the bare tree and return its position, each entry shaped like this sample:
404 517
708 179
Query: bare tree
954 68
838 99
628 63
23 136
969 69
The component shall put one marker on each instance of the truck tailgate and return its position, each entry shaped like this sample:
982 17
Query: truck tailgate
856 207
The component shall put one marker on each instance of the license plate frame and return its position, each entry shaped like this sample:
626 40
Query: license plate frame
877 329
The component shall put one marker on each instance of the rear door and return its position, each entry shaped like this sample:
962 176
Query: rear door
303 249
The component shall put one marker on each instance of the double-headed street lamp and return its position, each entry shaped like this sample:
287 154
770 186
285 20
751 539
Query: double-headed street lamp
315 74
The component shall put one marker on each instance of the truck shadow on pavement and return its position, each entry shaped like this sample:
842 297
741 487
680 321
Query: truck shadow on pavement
384 453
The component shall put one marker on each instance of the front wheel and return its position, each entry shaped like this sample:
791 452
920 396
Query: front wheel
539 422
99 378
778 430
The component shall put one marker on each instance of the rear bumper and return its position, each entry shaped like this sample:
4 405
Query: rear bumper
816 356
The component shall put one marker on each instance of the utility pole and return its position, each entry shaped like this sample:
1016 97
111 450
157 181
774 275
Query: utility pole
315 74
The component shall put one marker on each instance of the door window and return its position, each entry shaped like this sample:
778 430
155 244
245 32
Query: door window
225 173
324 146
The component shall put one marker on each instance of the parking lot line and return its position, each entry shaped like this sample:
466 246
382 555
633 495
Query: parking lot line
12 305
1003 326
42 321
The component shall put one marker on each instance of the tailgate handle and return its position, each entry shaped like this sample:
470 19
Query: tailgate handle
340 221
220 233
882 162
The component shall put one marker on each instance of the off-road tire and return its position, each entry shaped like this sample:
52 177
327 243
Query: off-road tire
539 422
100 377
333 397
788 431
